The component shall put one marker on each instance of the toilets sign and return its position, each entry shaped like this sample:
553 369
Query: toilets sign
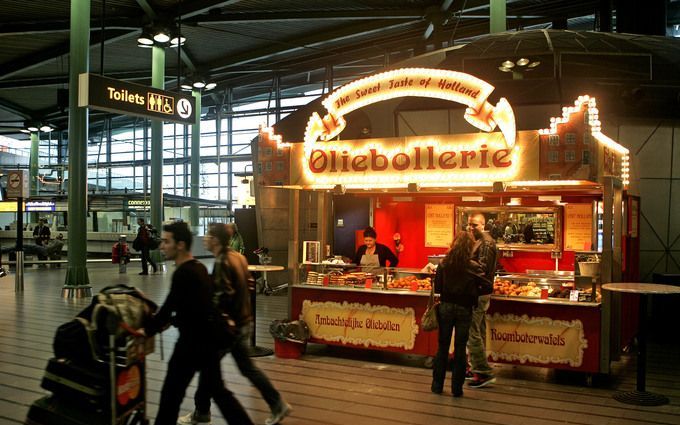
121 97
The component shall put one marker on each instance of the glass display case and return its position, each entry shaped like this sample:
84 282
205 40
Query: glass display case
351 276
547 285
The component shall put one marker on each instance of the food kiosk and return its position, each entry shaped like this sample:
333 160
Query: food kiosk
553 198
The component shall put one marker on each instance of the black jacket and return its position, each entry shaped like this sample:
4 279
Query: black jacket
485 253
461 288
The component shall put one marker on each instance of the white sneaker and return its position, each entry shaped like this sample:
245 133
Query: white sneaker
194 419
278 415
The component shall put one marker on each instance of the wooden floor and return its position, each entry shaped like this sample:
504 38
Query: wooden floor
330 386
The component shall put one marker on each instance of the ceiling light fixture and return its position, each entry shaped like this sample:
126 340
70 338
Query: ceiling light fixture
160 35
197 83
522 62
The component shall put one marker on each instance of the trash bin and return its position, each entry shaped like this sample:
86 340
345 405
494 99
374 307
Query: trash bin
290 338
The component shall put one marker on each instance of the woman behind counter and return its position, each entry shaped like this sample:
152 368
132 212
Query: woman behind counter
366 253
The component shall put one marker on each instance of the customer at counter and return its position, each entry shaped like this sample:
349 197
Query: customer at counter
372 253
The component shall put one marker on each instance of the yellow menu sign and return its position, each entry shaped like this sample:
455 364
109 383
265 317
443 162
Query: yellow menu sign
578 225
438 225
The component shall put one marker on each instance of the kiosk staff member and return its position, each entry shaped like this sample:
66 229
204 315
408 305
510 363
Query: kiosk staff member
372 253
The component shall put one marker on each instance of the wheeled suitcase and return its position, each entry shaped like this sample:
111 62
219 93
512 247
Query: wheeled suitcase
90 385
51 411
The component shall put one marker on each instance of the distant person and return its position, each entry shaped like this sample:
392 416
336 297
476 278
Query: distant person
457 280
189 306
54 248
372 253
41 235
528 233
142 244
235 239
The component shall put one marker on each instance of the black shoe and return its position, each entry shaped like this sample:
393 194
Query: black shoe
458 393
481 380
143 273
437 389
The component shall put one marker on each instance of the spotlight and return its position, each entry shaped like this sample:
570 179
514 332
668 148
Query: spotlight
522 62
508 64
161 36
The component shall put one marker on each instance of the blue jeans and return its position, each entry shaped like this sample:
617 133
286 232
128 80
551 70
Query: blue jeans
240 351
451 316
477 342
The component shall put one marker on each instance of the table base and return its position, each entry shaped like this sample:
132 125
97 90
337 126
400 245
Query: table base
641 398
256 351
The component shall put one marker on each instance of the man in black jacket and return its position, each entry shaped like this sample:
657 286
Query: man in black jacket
484 253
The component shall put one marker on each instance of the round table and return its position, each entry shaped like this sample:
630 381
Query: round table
641 396
256 351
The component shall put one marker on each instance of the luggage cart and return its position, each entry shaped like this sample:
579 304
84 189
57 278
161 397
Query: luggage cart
110 391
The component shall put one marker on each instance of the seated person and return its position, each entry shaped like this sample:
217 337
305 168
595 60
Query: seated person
370 247
55 247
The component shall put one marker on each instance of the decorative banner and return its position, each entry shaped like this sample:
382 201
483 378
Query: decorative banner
438 225
535 339
434 83
578 227
361 324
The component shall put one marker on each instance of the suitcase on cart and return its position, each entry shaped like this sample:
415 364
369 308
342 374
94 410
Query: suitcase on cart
89 384
51 411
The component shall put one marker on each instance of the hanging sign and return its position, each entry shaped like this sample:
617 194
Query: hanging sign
17 184
433 83
108 94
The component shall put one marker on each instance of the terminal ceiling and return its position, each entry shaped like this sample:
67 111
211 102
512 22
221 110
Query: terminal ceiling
242 44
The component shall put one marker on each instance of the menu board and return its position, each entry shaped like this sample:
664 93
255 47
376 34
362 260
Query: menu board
578 227
438 225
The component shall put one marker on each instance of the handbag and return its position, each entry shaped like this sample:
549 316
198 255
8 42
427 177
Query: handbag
429 322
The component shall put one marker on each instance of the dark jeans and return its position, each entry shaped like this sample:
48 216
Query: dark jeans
146 258
451 316
240 351
187 359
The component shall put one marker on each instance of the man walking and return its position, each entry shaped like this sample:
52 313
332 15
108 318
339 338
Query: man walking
485 253
143 241
190 302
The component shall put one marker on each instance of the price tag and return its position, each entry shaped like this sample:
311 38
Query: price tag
573 295
369 283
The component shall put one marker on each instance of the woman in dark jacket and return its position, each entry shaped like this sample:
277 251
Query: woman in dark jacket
457 281
371 247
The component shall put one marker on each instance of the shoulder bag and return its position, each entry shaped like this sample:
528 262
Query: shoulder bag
429 322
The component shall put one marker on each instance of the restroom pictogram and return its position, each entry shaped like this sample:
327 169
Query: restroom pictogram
159 103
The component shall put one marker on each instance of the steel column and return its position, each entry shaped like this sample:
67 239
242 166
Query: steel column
196 161
157 81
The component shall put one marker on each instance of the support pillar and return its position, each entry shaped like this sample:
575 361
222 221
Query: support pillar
77 282
157 81
497 16
33 170
195 161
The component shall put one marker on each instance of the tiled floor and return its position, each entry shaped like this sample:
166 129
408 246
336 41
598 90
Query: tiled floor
329 386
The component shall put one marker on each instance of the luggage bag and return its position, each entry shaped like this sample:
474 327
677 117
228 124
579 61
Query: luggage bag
87 384
50 411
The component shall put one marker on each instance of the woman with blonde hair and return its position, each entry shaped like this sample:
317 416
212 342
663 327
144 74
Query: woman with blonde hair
458 282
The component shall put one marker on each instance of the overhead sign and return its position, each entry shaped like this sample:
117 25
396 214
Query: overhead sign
121 97
41 206
18 184
138 204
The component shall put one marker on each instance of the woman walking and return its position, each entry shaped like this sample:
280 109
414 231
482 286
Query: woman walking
457 281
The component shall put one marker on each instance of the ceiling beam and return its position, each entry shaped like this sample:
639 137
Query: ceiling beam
312 15
64 25
15 109
39 58
199 7
344 33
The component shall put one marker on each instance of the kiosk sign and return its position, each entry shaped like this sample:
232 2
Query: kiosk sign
126 98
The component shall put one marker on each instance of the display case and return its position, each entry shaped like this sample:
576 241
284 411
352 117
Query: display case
351 276
548 285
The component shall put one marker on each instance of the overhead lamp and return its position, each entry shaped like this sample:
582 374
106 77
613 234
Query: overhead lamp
161 36
508 64
46 128
145 39
177 40
32 128
522 62
534 64
504 69
25 130
197 83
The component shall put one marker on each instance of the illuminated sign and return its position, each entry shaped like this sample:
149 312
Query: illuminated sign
426 160
138 204
433 83
126 98
40 206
